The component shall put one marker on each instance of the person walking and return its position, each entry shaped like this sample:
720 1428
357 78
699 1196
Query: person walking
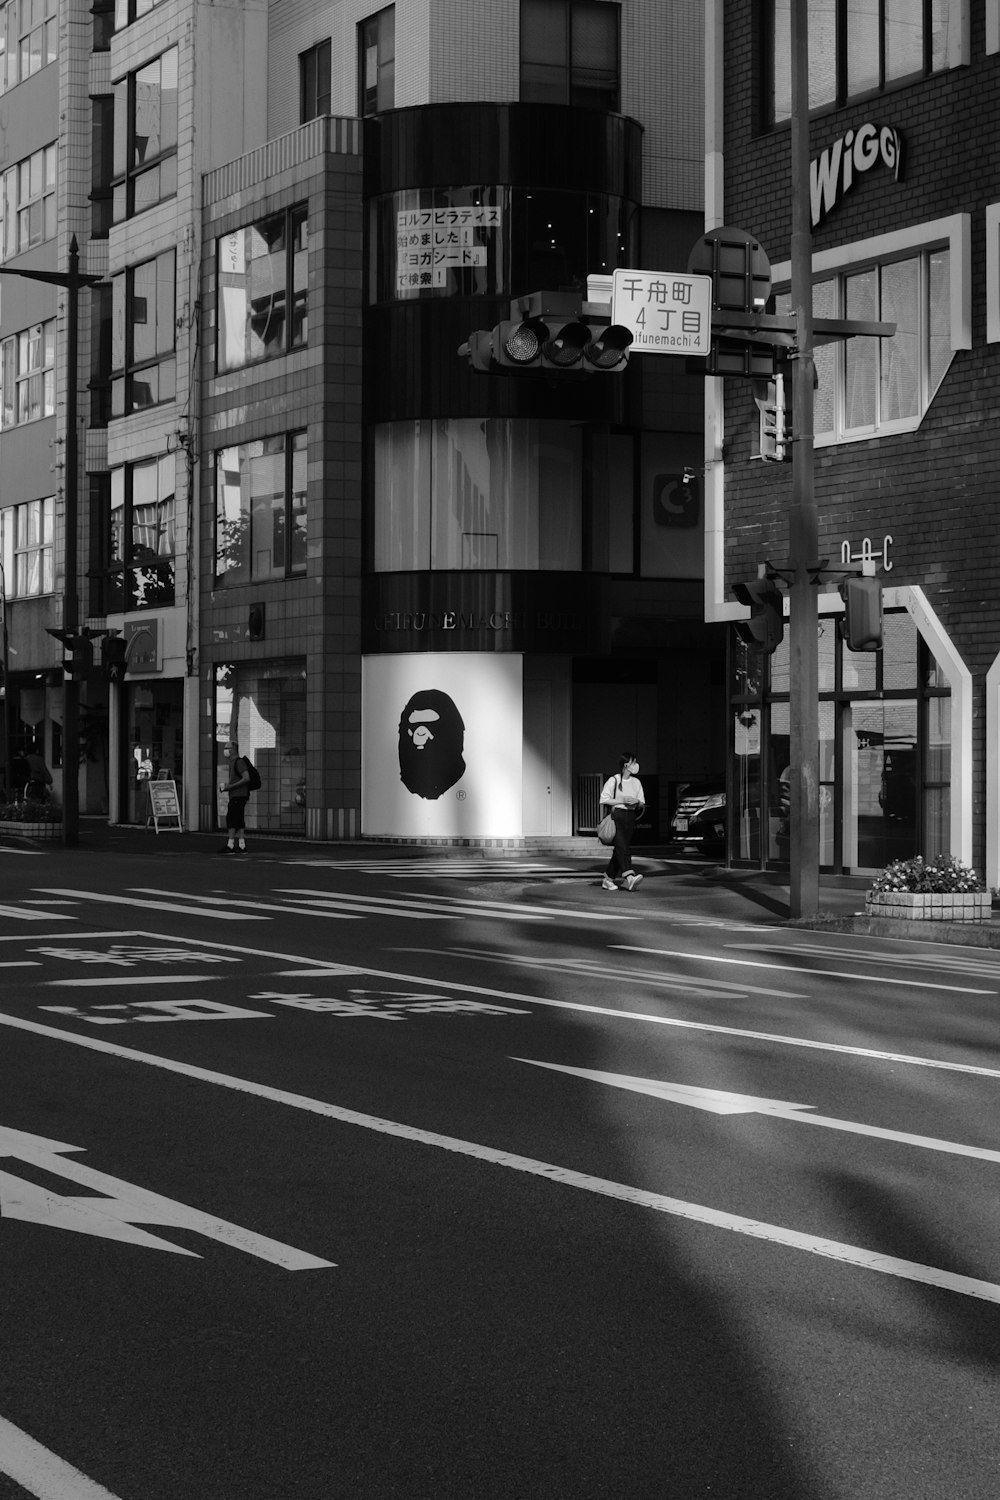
239 788
623 797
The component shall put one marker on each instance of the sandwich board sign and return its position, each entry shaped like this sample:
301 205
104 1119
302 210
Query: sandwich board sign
164 806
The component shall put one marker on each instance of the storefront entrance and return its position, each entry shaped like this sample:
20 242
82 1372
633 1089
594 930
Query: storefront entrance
884 752
153 725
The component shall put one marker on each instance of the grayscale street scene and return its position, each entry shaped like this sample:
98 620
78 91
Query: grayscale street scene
499 750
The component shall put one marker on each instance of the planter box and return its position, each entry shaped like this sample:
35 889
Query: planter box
972 907
31 830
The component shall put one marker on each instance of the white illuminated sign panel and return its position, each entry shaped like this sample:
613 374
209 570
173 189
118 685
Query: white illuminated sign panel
667 312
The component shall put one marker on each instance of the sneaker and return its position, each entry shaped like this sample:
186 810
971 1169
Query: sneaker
607 884
243 847
227 849
631 880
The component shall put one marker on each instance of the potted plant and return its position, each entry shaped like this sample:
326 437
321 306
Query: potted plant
30 819
943 889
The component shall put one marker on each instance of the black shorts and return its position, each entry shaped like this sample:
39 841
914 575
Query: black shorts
236 812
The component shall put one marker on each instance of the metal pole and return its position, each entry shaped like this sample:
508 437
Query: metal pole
71 612
803 526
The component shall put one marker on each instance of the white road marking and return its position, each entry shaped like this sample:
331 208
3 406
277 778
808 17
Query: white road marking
24 914
117 1215
40 1472
719 1102
961 960
854 1255
593 968
188 911
19 963
107 981
715 958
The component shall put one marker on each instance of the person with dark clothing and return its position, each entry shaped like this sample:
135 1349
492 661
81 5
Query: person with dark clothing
623 797
239 789
39 777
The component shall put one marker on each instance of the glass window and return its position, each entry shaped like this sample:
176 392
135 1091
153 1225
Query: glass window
263 288
870 385
261 707
127 11
28 202
143 335
142 534
314 82
261 510
102 140
29 30
470 494
27 374
26 548
145 149
569 53
859 46
377 62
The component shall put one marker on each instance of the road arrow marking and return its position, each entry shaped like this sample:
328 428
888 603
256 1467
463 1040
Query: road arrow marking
718 1102
117 1215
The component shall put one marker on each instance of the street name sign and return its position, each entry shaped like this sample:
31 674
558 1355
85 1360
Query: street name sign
667 312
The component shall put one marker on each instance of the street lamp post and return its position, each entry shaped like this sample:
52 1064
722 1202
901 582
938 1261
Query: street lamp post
72 280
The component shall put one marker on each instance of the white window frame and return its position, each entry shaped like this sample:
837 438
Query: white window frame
14 205
16 367
953 232
17 553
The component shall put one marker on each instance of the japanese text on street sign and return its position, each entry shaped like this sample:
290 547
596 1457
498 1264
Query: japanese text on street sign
667 312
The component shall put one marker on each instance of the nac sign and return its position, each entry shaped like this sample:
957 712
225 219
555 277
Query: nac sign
667 312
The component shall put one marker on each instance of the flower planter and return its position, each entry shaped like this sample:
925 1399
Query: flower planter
13 829
974 906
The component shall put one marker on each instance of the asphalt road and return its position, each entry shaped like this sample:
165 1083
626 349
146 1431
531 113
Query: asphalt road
341 1175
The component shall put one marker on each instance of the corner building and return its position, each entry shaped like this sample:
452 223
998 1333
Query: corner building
904 208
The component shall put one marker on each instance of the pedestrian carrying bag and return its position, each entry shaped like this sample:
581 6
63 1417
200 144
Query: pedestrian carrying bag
253 774
606 830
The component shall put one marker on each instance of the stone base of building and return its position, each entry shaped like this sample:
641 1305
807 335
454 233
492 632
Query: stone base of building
915 906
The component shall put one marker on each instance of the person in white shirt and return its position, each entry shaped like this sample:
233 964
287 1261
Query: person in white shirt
623 797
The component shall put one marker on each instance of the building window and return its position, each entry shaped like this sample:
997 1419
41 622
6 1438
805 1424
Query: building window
27 374
866 385
143 336
263 281
102 164
28 205
314 82
377 63
261 510
142 535
145 153
28 39
569 53
127 11
858 47
103 12
26 537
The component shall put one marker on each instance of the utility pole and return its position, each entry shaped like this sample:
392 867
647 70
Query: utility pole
803 525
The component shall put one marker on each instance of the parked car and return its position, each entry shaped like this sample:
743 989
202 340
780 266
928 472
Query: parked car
700 818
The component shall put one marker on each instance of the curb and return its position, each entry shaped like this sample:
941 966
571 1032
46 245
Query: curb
963 934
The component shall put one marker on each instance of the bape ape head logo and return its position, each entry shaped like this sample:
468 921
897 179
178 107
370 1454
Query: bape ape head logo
431 741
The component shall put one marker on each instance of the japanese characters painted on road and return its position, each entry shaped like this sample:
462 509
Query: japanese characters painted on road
667 312
441 745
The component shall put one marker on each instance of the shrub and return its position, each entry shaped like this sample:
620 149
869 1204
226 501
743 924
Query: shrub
29 812
944 874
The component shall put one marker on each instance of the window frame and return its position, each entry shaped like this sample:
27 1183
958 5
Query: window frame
152 575
23 554
15 42
18 198
574 91
377 34
126 367
132 167
293 310
919 240
956 54
315 81
18 371
294 450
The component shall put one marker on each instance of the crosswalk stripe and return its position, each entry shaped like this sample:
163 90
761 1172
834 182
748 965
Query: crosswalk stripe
188 910
26 914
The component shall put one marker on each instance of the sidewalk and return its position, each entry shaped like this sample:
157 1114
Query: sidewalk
841 897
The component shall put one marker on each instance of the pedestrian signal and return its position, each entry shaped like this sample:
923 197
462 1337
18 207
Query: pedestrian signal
775 420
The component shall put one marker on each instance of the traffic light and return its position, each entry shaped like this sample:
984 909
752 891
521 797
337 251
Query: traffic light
79 662
765 628
775 420
114 658
554 332
862 623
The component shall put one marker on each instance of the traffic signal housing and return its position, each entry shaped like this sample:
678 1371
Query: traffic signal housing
764 630
775 420
78 662
862 622
551 333
114 658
